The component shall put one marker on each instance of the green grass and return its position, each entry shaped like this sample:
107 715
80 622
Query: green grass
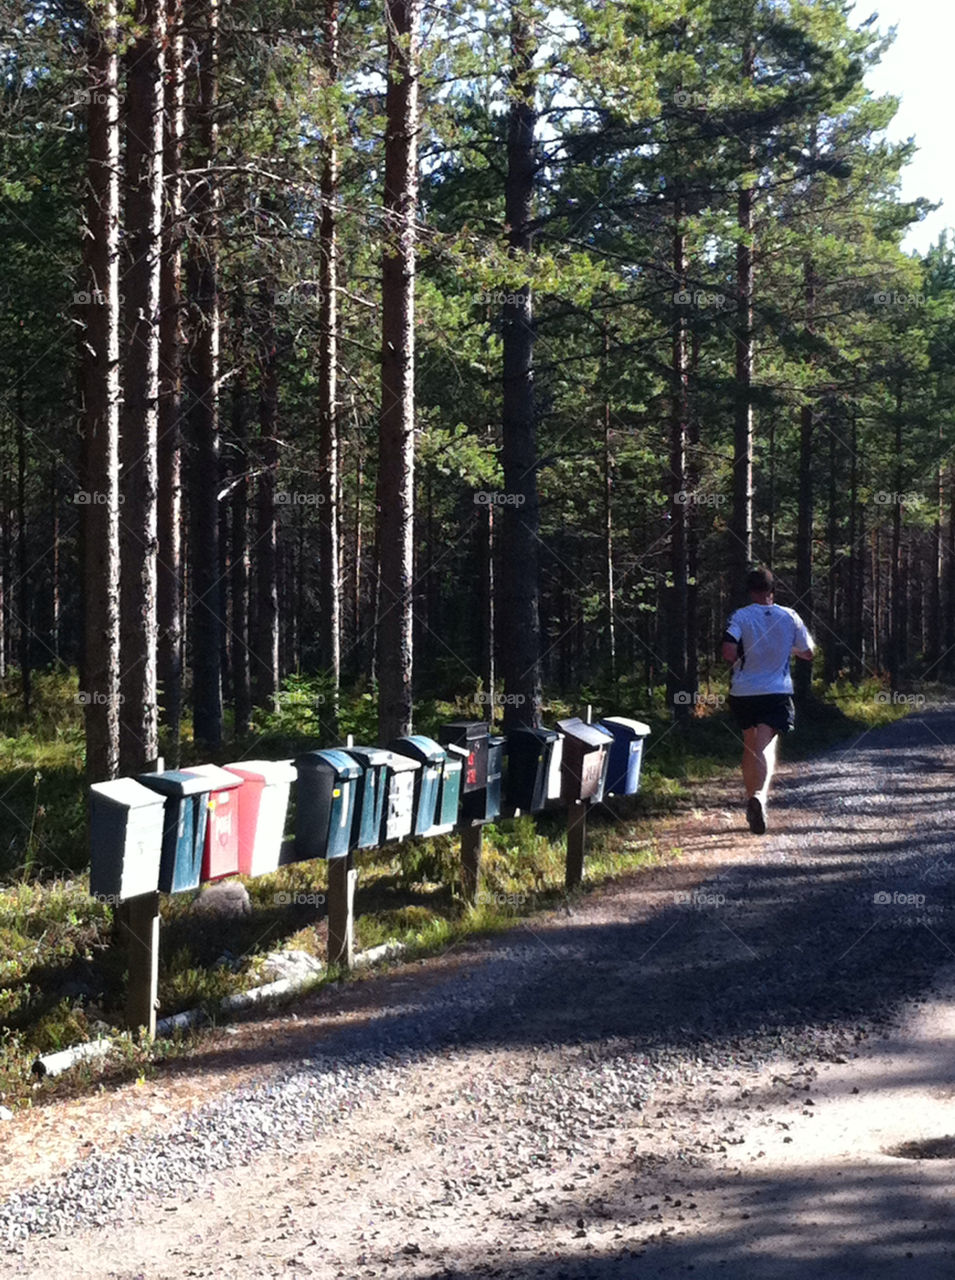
62 960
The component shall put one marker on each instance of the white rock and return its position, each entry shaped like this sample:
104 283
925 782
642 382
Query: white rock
291 964
6 1113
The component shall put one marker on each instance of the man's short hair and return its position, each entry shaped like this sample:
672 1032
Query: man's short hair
760 580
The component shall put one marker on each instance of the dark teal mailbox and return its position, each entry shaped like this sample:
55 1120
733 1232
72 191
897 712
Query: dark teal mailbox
626 754
184 832
328 784
452 773
427 784
371 795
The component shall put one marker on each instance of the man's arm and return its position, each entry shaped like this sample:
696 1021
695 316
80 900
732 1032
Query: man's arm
803 637
730 649
731 646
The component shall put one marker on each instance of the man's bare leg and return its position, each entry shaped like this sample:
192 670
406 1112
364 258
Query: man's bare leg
759 763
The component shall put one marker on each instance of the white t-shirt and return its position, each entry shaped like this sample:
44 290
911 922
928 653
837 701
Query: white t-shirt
768 635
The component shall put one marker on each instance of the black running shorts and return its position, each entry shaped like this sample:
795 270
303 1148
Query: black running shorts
775 709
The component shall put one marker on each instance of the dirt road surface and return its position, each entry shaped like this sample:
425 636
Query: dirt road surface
739 1064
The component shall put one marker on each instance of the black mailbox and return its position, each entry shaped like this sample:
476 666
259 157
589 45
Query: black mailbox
585 758
529 753
473 736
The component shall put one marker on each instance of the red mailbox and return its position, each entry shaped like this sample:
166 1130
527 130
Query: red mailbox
220 857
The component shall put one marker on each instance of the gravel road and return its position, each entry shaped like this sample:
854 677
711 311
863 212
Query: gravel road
702 1068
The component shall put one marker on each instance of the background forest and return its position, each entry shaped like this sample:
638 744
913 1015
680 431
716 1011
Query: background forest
404 352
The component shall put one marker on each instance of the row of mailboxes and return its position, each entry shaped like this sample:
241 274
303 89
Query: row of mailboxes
576 761
176 828
359 797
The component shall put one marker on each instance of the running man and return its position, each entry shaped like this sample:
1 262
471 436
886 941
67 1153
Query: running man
759 640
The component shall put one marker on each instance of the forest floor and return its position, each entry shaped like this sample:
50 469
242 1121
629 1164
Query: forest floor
712 1066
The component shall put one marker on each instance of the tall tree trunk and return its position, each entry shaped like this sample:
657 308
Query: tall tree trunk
608 514
265 654
203 387
693 536
771 496
358 638
169 443
328 551
676 607
833 647
100 679
933 647
741 525
489 644
24 594
241 552
396 439
856 632
949 663
807 415
520 518
55 602
139 729
4 571
898 621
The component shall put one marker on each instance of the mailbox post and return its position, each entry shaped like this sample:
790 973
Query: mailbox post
480 790
583 771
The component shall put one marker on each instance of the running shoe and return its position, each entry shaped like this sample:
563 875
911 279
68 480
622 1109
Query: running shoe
756 816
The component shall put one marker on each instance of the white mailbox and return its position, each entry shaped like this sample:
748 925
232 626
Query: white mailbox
126 827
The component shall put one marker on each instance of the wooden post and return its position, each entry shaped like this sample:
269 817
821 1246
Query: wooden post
342 877
140 921
576 842
472 839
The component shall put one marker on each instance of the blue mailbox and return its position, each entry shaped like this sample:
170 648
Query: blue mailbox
626 754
